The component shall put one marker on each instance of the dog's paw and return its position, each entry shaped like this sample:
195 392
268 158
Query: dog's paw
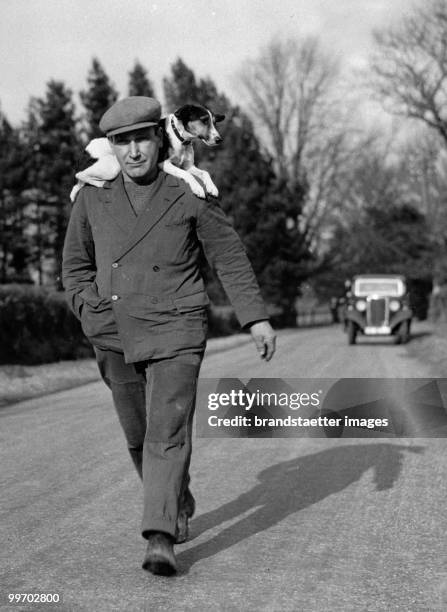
212 190
197 190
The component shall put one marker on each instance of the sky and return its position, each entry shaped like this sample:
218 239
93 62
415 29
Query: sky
57 39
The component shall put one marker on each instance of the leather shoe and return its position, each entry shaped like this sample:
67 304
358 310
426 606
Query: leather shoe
160 558
187 509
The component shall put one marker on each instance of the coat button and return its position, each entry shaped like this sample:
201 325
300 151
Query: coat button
114 298
154 300
156 268
114 265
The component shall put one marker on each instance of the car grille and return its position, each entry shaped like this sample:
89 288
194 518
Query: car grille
377 312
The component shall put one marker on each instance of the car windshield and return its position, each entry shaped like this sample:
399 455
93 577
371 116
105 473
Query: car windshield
392 287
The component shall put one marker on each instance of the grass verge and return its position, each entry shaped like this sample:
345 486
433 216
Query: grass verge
429 345
20 382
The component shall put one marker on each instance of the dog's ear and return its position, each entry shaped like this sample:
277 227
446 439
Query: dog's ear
218 118
187 112
181 110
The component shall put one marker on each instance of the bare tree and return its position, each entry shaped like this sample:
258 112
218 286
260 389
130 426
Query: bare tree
287 87
424 165
289 90
410 66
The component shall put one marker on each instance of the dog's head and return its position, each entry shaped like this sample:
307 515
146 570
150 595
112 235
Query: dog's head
200 122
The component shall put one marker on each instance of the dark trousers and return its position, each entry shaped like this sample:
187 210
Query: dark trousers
155 402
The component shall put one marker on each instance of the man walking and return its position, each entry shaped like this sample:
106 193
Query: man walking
132 276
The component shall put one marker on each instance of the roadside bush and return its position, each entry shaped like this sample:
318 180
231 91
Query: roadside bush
222 321
36 326
420 291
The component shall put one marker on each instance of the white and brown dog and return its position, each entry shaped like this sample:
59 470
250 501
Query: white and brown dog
188 123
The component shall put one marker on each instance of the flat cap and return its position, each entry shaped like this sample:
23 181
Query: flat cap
130 114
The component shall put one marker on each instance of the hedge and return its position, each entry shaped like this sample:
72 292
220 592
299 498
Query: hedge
36 326
222 321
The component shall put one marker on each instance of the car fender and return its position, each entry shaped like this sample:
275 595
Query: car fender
404 315
357 317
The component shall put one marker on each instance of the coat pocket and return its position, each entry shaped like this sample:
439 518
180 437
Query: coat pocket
191 311
190 303
97 319
91 297
148 308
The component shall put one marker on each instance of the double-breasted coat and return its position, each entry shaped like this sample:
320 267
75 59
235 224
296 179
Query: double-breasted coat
134 281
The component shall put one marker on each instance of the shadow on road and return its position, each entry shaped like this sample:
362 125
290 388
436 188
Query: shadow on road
421 334
291 486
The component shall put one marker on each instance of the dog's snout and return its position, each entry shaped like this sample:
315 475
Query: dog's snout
219 139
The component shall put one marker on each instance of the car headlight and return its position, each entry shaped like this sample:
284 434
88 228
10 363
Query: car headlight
394 305
360 305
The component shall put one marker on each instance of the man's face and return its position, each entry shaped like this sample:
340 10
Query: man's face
137 153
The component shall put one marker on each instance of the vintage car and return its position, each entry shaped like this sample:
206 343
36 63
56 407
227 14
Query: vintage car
378 305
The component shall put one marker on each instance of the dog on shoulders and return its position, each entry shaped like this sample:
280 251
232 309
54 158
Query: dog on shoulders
180 129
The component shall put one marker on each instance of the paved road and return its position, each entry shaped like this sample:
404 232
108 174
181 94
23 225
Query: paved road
303 524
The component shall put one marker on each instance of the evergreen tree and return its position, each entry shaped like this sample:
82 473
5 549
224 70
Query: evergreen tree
15 247
139 83
181 88
264 211
384 239
97 98
54 143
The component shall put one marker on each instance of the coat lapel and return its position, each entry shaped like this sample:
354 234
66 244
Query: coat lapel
117 205
168 190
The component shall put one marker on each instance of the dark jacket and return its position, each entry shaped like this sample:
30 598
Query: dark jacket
135 282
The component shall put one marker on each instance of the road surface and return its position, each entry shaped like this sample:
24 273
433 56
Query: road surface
306 524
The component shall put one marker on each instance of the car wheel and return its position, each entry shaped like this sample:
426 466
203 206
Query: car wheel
403 333
352 332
